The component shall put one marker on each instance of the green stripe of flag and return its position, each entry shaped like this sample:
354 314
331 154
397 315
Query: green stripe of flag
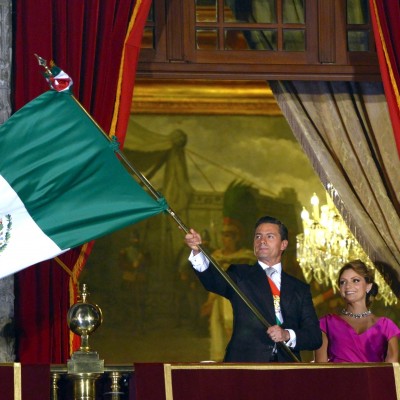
66 173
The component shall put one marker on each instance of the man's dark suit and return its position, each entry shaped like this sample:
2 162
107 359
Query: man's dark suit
250 342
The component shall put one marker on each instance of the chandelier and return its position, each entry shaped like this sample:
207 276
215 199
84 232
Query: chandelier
326 244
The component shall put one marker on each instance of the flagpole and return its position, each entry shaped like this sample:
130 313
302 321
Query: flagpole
180 223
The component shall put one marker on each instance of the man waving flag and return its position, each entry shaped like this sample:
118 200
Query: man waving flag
61 183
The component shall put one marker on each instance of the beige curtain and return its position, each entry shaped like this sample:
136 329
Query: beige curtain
345 130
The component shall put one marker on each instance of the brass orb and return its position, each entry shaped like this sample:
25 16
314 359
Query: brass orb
84 318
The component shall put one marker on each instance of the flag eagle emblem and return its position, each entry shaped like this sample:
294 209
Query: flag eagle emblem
5 228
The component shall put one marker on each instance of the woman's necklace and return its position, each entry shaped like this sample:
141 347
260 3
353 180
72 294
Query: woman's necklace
361 315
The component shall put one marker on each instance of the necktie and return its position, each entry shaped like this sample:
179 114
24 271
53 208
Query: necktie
271 271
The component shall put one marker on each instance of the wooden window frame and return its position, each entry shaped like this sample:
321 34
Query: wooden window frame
326 57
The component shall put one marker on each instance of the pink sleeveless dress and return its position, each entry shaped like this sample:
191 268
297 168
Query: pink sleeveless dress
346 345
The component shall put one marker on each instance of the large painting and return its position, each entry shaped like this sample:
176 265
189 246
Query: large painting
222 155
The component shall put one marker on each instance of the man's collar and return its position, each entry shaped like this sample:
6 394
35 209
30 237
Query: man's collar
264 266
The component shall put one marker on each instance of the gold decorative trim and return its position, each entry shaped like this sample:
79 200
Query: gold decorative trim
17 381
396 372
168 382
152 96
17 378
277 367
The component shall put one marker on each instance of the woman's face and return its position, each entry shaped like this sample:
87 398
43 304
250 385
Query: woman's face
353 286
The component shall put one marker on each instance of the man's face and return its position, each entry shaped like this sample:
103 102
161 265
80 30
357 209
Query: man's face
268 245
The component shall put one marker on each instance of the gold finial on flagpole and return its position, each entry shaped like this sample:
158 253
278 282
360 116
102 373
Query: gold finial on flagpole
43 63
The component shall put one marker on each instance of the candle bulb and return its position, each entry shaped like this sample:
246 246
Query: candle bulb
305 217
315 204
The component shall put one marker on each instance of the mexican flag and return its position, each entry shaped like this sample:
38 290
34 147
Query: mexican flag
61 183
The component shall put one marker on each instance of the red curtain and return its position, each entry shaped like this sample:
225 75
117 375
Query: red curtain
87 39
385 16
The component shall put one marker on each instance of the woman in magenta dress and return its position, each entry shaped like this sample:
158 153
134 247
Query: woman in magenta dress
357 335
